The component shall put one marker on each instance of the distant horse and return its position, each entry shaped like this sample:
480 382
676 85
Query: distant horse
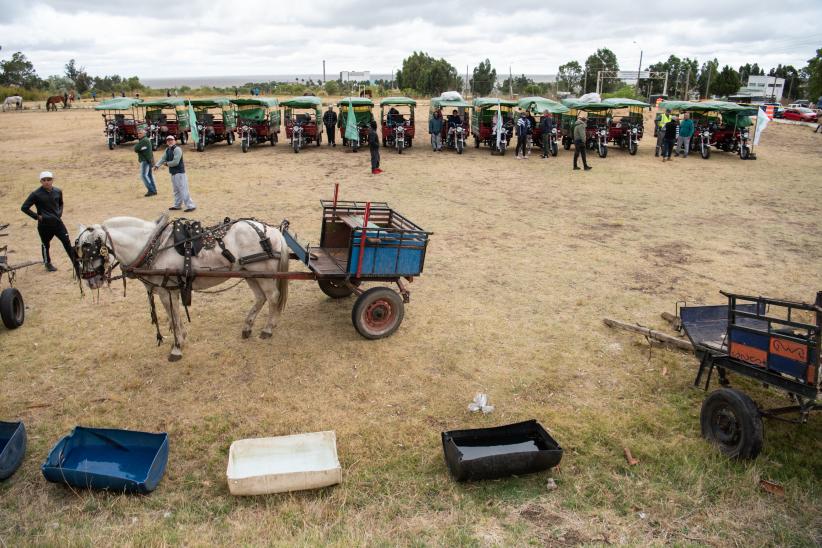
143 244
14 101
51 102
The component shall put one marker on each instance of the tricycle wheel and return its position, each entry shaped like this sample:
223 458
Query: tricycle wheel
705 151
183 138
566 144
111 144
244 146
12 310
337 289
730 420
476 142
377 313
744 152
554 149
602 150
632 148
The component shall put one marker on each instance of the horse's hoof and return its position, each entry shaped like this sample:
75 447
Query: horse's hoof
246 333
175 357
265 335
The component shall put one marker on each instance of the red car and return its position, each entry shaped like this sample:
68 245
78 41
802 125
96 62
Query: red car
800 115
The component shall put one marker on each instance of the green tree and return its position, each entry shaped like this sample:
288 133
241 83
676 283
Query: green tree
602 59
520 84
727 82
59 84
814 72
569 77
483 79
18 71
78 75
332 87
706 78
426 74
795 81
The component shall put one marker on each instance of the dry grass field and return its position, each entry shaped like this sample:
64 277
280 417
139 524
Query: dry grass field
526 259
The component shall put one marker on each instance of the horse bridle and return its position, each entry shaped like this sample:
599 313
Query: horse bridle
89 252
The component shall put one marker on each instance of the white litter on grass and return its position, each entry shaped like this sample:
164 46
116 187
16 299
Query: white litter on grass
480 403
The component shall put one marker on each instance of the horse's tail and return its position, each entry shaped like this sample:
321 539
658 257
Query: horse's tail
282 283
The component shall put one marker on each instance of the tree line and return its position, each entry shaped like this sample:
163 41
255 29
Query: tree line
423 75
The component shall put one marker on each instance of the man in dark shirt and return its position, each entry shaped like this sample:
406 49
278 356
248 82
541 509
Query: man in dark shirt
330 121
669 138
546 125
48 201
374 147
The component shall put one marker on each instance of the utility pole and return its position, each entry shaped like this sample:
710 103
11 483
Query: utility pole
687 81
323 71
708 86
510 82
638 71
466 87
665 85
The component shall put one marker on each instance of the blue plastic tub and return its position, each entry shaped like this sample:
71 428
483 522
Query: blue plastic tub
115 460
12 447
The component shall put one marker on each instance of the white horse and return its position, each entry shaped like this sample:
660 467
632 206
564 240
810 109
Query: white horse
14 101
147 245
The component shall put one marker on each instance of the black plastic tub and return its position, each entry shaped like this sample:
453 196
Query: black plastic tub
12 447
509 450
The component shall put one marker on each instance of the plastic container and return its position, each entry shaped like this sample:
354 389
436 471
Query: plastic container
490 453
125 461
261 466
12 447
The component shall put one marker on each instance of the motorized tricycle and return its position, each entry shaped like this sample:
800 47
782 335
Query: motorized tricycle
258 121
166 117
397 127
121 120
216 121
721 124
492 123
626 131
303 121
456 121
598 126
536 107
363 116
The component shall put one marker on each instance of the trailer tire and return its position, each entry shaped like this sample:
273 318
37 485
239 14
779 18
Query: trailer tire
730 420
377 313
337 289
12 309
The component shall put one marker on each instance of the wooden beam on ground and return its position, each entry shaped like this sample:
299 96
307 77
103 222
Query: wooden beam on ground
651 334
675 321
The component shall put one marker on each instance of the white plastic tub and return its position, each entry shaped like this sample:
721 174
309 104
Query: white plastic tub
260 466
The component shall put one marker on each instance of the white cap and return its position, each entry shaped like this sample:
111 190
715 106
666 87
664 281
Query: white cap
46 175
170 138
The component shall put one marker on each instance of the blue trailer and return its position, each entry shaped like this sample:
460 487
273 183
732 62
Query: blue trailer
773 341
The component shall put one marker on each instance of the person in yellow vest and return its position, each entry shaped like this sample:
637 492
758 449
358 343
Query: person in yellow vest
664 118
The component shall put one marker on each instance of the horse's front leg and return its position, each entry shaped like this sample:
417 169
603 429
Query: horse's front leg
170 303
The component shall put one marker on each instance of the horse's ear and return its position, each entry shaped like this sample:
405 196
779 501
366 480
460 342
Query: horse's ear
81 228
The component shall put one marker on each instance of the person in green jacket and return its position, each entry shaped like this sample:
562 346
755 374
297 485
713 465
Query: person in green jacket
145 155
686 131
664 118
579 140
435 130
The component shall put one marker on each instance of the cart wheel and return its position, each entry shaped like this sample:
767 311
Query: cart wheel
377 313
337 289
730 419
12 310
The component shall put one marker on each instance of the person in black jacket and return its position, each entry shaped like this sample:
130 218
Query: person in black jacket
330 121
546 125
669 131
374 147
48 201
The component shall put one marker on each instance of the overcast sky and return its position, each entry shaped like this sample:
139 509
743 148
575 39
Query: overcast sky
162 38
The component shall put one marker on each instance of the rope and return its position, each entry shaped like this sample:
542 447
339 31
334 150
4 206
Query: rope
223 290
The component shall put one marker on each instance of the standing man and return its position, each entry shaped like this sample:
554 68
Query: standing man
546 126
664 118
686 131
669 138
435 130
93 95
579 140
173 158
374 147
523 130
48 201
330 121
145 155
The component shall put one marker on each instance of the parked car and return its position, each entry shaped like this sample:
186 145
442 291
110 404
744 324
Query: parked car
802 103
800 114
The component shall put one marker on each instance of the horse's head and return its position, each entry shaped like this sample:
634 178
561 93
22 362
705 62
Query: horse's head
93 255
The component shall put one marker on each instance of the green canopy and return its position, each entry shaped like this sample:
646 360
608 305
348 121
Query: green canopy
355 101
210 103
624 102
170 102
576 104
269 102
484 102
439 102
306 101
538 105
119 103
398 101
